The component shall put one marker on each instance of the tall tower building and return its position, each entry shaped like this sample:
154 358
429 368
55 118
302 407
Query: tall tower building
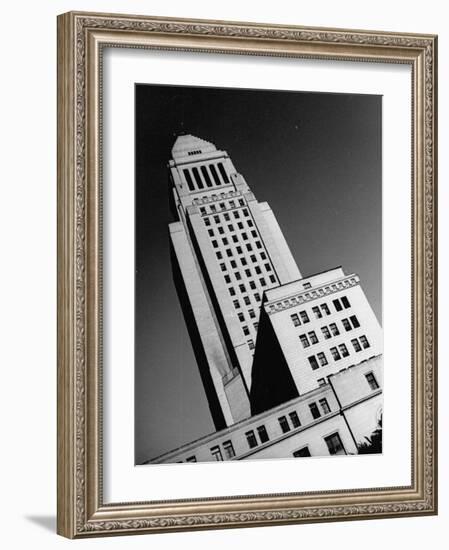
227 251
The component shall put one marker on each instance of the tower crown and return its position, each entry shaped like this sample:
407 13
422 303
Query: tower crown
188 145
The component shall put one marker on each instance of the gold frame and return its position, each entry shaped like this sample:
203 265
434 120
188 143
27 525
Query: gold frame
81 37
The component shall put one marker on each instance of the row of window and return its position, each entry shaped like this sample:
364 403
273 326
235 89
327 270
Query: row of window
242 287
247 271
302 316
207 175
225 242
242 260
310 338
230 227
217 218
337 352
213 208
334 445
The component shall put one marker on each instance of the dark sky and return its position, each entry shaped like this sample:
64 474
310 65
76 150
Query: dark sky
314 157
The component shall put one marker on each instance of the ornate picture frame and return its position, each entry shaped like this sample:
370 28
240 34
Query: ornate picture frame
82 39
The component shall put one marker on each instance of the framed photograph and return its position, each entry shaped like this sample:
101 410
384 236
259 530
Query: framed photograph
246 274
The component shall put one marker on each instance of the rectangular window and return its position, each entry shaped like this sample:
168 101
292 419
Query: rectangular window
262 281
245 212
294 418
221 230
307 285
206 176
371 379
245 236
241 202
248 272
231 291
268 267
304 452
219 255
223 173
356 344
337 304
239 249
272 278
247 300
251 438
233 264
232 204
191 459
313 362
314 410
213 208
249 248
263 255
343 350
354 321
240 224
235 239
227 217
326 332
189 180
241 317
211 232
334 444
225 241
257 297
214 174
252 313
216 453
258 244
237 275
313 337
228 449
251 344
334 329
322 359
231 227
246 331
345 302
258 270
253 258
263 434
283 423
252 284
324 406
237 215
227 278
250 223
214 244
222 205
317 312
256 326
223 267
254 233
236 304
304 341
217 219
304 316
243 261
346 324
295 319
325 309
242 288
321 382
229 253
335 354
207 221
364 342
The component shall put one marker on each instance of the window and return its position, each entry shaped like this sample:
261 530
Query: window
207 221
233 264
346 324
248 272
215 174
237 275
313 337
324 406
231 291
225 241
227 278
252 285
241 317
229 253
242 288
236 304
258 270
326 332
254 233
250 223
206 176
251 344
334 444
232 204
253 258
371 379
283 423
214 244
294 418
251 438
258 244
345 302
191 459
220 230
257 297
354 321
247 300
241 202
256 326
272 278
268 267
313 362
263 255
307 285
356 344
223 267
343 350
237 215
304 317
251 313
263 435
222 205
304 341
223 172
334 329
228 449
235 239
314 410
211 232
249 248
243 260
317 312
231 227
216 453
335 354
239 249
262 281
322 359
302 452
213 208
217 219
245 236
245 212
295 319
227 217
219 255
189 180
240 224
325 309
337 304
246 331
364 342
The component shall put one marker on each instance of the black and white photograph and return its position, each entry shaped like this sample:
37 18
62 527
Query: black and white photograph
258 274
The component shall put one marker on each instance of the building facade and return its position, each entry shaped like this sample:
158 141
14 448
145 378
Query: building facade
291 365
